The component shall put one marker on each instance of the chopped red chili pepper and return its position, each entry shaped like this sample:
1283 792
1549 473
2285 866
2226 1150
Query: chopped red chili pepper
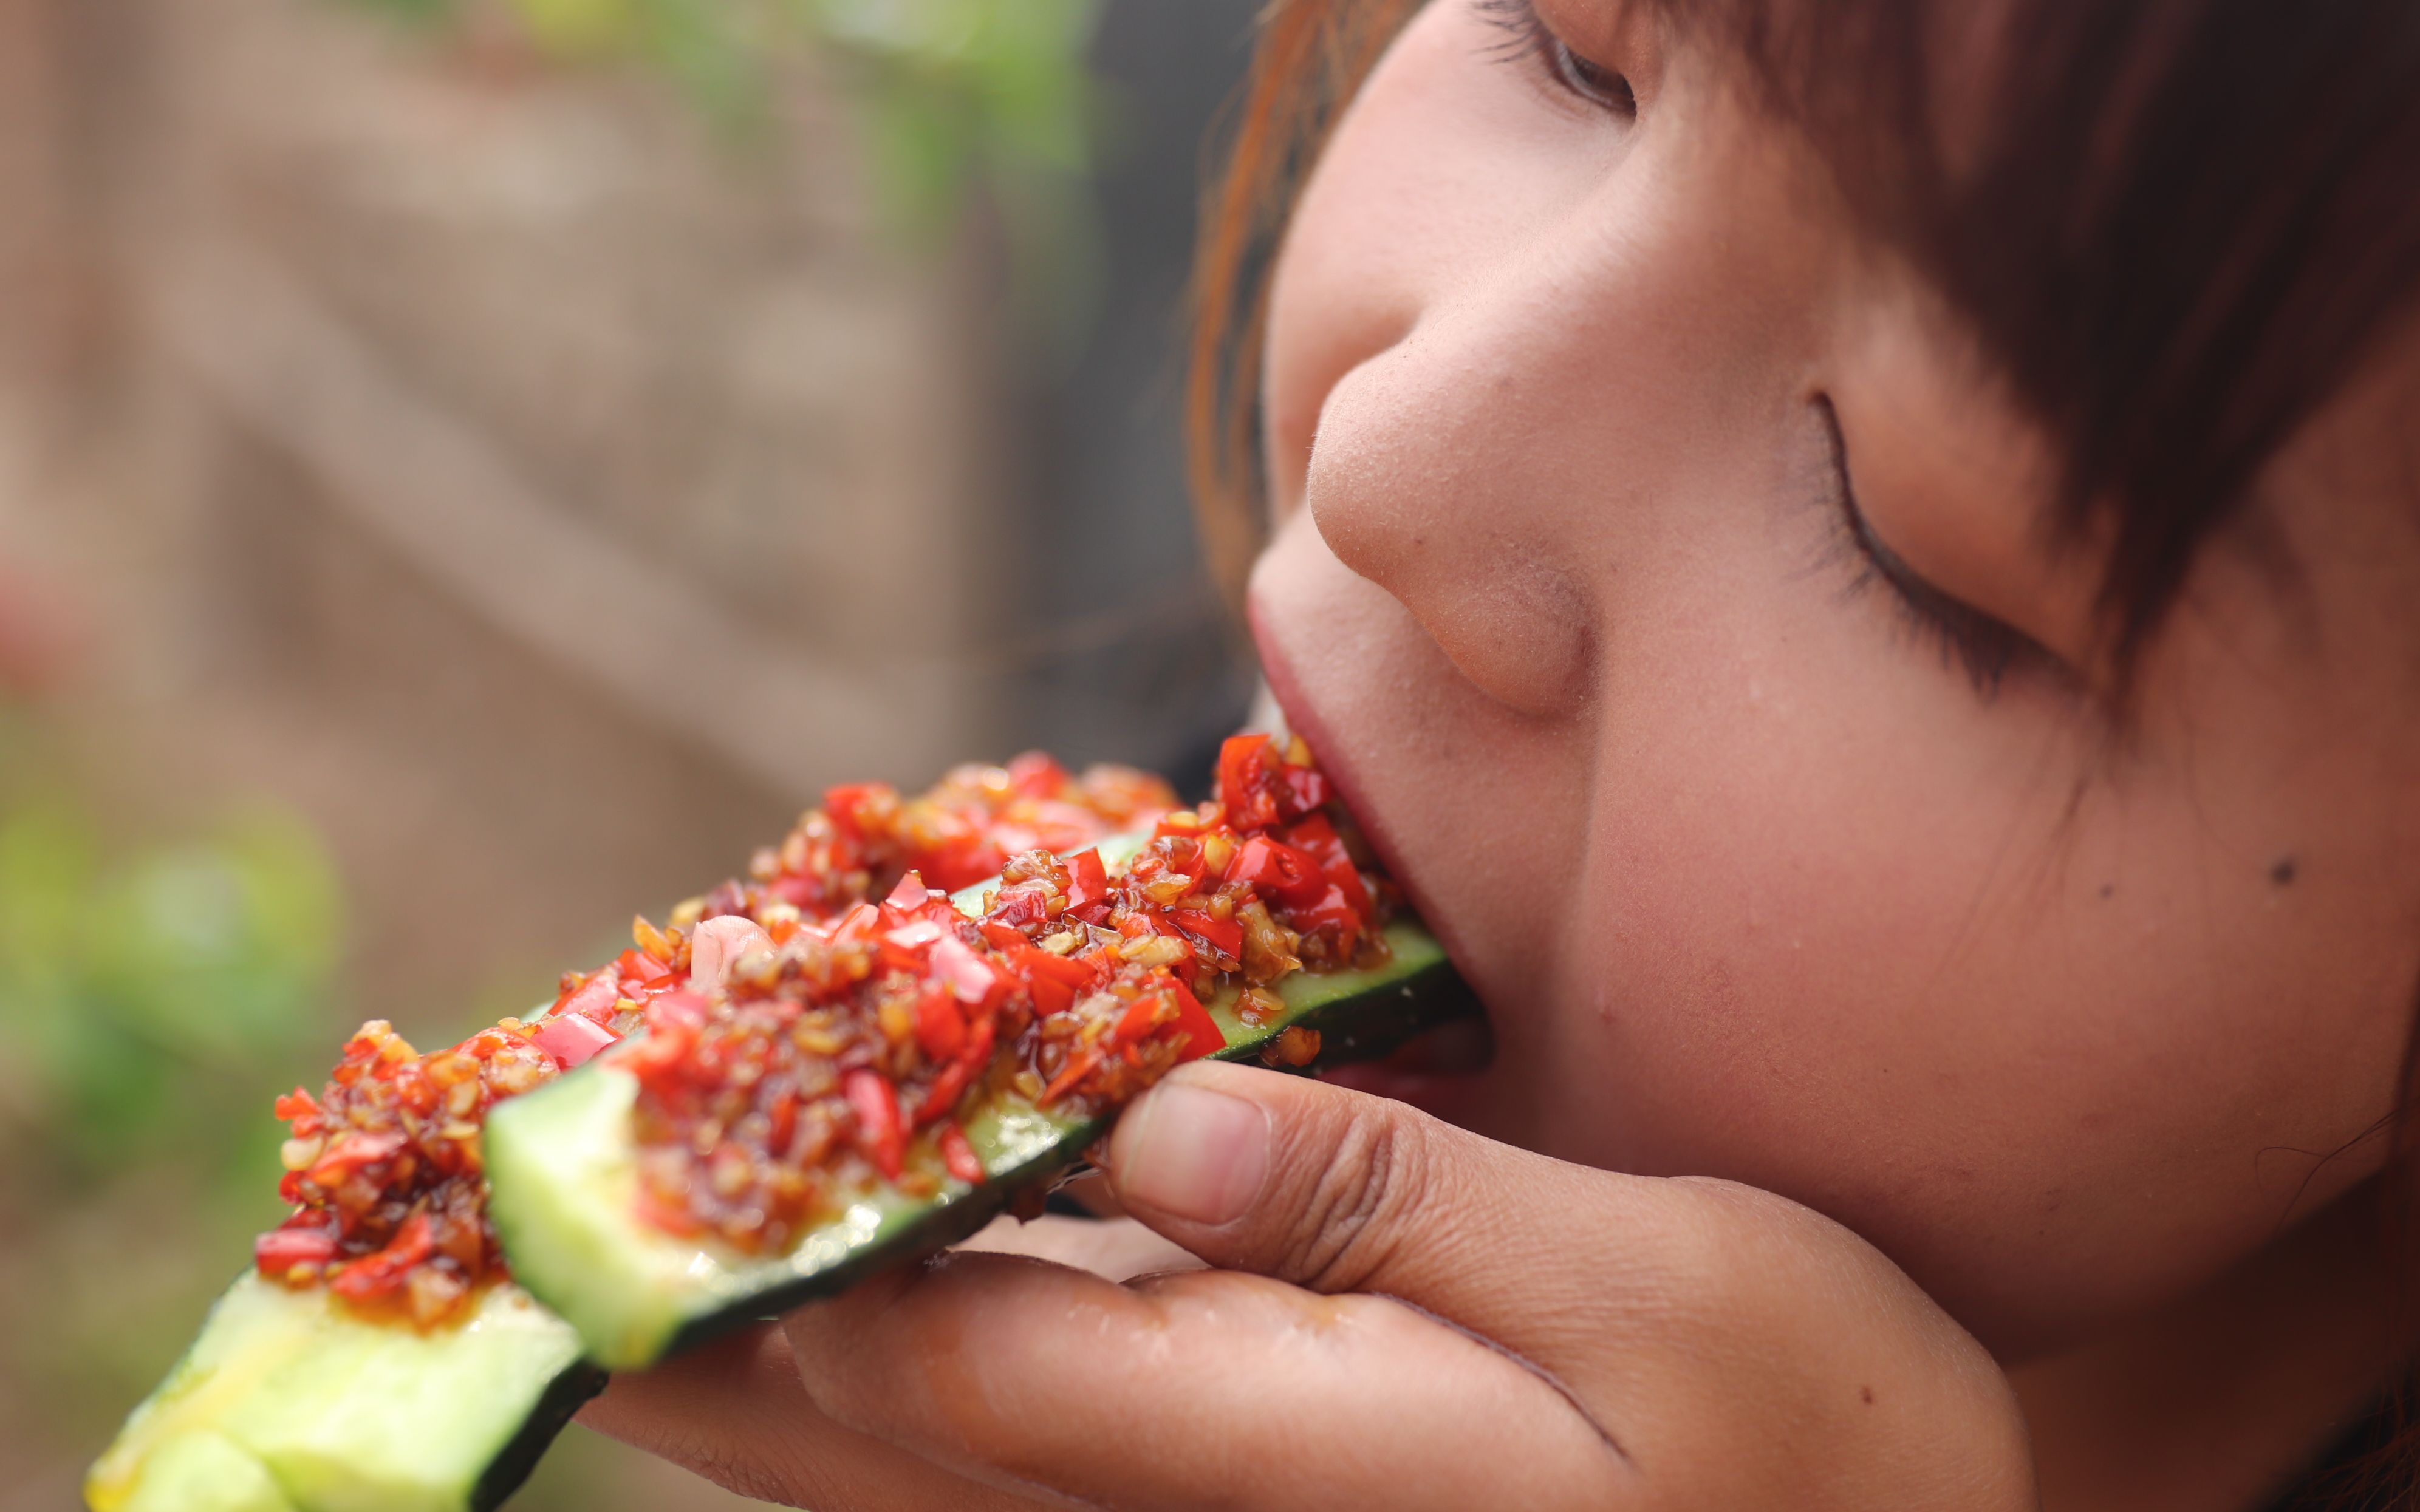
1064 970
1140 1017
878 1119
1278 872
1223 935
956 1076
1317 838
1334 915
387 1269
592 995
1247 784
297 1104
639 968
972 977
1200 1032
941 1028
764 1102
280 1250
1034 775
960 1155
1084 1063
1088 889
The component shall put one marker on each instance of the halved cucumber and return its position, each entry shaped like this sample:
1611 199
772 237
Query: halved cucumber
563 1175
289 1403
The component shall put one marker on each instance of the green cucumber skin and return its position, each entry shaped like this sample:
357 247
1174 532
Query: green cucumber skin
563 1399
1358 1015
948 1221
1371 1026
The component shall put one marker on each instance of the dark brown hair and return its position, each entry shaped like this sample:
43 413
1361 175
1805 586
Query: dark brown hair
2183 227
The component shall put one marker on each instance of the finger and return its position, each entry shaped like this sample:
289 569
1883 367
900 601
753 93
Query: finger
1200 1389
1680 1310
1339 1190
734 1413
1116 1249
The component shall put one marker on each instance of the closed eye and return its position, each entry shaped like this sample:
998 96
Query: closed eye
1987 648
1531 42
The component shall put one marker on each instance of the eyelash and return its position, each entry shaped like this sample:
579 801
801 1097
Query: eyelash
1530 40
1985 648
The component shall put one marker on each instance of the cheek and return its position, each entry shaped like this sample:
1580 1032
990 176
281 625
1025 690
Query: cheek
1787 905
1843 944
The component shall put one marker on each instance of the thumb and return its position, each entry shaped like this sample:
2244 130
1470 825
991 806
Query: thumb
1334 1190
1695 1314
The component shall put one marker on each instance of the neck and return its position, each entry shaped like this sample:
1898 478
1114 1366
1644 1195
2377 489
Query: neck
2214 1402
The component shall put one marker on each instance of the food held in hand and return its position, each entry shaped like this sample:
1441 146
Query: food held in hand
377 1354
825 1067
838 1094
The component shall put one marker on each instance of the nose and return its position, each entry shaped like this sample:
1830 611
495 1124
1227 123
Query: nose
1436 472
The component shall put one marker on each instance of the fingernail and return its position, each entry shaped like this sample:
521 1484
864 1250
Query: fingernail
1194 1153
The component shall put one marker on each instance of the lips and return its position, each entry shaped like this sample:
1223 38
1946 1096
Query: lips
1302 718
1437 1072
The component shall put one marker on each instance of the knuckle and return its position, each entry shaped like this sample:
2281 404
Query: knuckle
740 1474
1377 1172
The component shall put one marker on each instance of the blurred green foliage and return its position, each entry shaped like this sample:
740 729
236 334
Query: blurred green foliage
151 995
964 103
139 992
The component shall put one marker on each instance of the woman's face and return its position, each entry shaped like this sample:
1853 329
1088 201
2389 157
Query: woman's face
1706 775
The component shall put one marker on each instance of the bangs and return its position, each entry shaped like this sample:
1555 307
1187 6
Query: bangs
2177 228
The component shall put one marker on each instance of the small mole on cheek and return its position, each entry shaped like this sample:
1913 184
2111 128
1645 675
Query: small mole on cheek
2282 872
1866 1395
2109 889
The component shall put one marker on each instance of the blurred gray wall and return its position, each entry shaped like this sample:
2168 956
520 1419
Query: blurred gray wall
1145 665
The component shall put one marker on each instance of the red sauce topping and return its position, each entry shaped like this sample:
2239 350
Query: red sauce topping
805 1040
834 1056
383 1165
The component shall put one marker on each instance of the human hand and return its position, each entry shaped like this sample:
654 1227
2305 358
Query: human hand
1399 1313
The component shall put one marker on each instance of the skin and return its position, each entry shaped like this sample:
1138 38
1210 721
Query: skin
1906 1091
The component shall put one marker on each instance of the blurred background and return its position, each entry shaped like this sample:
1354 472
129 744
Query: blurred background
469 469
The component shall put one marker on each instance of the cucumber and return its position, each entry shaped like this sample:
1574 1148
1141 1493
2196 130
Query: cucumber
289 1403
562 1177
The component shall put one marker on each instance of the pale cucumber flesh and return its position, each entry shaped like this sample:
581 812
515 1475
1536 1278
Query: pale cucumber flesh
289 1403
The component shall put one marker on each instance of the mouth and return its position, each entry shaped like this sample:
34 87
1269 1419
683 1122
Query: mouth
1295 715
1439 1071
